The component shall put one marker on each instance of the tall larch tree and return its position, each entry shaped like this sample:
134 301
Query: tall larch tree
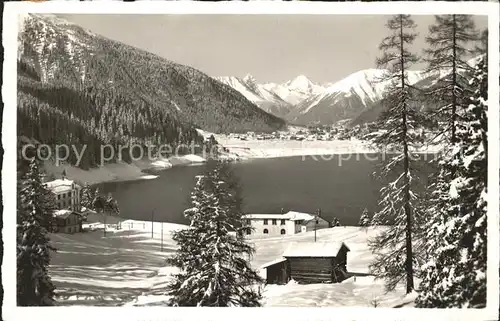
34 217
455 276
449 49
213 253
397 126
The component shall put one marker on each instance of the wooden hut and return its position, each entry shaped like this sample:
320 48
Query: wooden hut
317 262
277 271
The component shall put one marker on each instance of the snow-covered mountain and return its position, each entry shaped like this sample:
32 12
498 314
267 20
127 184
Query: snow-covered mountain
277 99
258 94
346 98
357 97
295 90
98 88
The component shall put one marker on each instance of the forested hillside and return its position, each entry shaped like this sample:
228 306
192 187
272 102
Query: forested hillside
75 87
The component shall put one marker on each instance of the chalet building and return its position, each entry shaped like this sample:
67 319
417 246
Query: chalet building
67 193
284 224
67 221
322 262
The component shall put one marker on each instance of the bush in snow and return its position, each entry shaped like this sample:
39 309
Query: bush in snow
34 217
213 253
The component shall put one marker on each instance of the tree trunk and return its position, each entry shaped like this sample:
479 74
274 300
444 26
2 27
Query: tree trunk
454 83
407 207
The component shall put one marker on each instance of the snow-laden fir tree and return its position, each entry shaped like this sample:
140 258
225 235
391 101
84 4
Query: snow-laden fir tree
455 275
399 124
213 253
364 220
450 40
35 210
88 196
335 222
449 49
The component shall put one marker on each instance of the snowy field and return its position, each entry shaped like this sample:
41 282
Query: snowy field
127 267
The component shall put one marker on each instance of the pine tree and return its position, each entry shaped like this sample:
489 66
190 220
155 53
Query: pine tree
395 259
364 220
456 274
448 51
214 270
35 210
335 222
87 197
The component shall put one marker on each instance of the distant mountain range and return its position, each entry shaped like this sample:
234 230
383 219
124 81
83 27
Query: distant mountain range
357 97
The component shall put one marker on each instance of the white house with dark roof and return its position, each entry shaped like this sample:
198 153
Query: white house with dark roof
67 193
284 224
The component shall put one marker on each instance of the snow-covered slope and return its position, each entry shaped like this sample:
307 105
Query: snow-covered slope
346 98
256 93
127 267
56 54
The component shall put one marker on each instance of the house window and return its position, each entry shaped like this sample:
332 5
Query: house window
248 222
274 222
265 222
283 232
266 231
282 222
58 196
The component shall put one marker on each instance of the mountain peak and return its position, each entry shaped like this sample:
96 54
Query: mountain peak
300 82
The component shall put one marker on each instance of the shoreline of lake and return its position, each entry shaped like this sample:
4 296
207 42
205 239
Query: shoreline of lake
239 151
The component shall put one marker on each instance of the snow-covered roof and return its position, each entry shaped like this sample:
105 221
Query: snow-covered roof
64 213
292 216
314 249
279 260
265 216
60 185
87 210
296 216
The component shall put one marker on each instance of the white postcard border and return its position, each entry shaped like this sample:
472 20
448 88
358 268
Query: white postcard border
12 9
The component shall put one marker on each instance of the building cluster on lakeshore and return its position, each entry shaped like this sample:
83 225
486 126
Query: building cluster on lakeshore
339 131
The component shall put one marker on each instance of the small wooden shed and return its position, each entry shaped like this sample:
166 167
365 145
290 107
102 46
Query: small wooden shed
277 271
317 262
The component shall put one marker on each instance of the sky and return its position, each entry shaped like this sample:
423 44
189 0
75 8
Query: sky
272 48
